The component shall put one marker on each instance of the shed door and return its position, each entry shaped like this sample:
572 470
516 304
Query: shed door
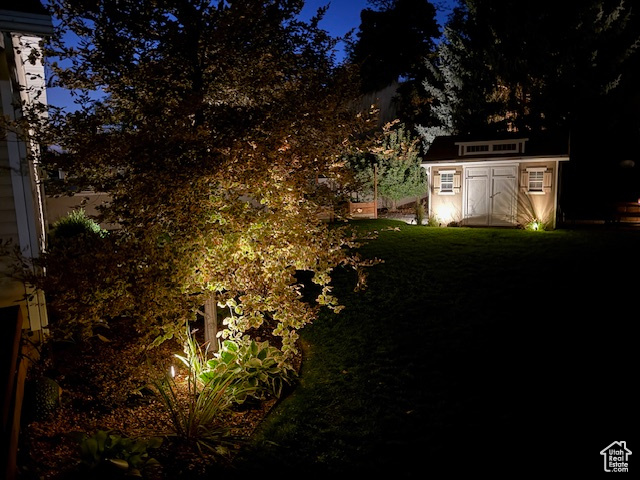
490 195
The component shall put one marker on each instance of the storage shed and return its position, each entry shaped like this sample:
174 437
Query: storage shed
506 181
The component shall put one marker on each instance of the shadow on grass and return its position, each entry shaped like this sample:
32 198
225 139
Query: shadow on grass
472 350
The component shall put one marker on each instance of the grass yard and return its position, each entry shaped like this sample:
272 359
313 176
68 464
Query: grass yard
476 350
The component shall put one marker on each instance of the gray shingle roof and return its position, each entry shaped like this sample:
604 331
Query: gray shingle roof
445 148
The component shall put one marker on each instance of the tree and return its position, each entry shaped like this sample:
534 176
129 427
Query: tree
214 119
397 159
400 174
393 40
456 84
528 66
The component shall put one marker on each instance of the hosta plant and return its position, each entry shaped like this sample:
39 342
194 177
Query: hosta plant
257 365
108 455
197 407
255 369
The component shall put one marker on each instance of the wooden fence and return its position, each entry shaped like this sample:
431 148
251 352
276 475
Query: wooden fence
363 210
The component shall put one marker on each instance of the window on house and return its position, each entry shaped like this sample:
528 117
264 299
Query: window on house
536 181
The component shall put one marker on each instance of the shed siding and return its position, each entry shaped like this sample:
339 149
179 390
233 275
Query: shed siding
538 206
445 208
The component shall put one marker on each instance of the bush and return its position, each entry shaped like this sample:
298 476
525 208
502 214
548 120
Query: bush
108 455
197 412
258 369
535 226
254 369
41 398
81 283
75 224
432 221
197 418
213 385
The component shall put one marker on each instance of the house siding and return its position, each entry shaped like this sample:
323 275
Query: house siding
22 215
8 221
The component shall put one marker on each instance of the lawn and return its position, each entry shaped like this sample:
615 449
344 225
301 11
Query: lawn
477 350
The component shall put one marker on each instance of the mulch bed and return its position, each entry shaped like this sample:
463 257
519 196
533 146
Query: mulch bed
104 388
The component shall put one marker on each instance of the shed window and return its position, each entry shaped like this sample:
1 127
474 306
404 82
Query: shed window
505 147
446 182
536 179
477 148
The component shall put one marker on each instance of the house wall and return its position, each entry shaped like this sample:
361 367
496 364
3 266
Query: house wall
22 220
8 222
10 289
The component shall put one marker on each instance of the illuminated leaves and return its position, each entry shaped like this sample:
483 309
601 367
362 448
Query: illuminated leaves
216 120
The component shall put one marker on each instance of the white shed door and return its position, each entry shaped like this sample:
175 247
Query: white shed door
491 195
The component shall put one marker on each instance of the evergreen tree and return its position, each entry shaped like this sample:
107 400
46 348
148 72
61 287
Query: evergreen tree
394 38
527 66
392 41
400 174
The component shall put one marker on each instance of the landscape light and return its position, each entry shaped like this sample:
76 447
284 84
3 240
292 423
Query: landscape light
445 213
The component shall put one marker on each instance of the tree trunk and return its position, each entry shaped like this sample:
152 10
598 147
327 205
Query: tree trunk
211 322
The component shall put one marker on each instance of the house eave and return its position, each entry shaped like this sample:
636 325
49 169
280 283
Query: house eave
25 23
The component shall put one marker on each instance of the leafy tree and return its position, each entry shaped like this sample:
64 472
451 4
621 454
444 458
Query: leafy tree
205 122
399 169
397 159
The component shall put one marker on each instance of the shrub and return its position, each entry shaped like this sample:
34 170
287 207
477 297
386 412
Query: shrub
197 417
82 288
258 369
76 224
42 397
535 225
432 221
106 454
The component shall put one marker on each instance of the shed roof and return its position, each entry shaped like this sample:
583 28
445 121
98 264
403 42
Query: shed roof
447 148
